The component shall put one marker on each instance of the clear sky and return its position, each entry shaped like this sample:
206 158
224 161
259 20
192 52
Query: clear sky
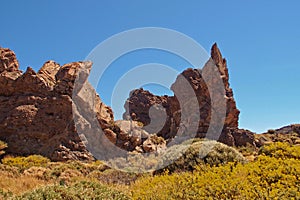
260 40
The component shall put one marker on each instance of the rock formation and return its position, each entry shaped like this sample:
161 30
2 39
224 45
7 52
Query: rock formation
45 112
141 102
289 134
36 109
37 116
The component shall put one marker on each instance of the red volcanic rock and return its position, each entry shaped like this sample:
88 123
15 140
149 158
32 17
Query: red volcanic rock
289 134
47 112
237 137
191 109
48 72
36 109
55 113
8 61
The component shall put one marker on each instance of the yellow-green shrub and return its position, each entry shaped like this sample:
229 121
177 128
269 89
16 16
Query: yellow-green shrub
281 150
186 156
26 162
265 178
80 190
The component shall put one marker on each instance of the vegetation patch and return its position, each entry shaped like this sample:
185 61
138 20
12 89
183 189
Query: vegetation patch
268 177
188 155
204 170
26 162
77 191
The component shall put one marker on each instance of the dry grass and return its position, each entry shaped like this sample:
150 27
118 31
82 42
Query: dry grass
20 184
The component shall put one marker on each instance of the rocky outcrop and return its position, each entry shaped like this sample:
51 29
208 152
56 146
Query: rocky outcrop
46 113
8 61
133 137
36 109
289 134
138 106
237 137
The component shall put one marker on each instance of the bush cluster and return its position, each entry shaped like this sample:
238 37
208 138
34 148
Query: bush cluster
271 176
190 154
281 150
77 191
204 170
26 162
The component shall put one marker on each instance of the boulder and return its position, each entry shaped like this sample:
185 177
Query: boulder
154 144
237 137
132 137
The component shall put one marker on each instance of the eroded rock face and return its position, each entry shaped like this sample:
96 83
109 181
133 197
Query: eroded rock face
183 114
36 109
43 112
8 61
56 113
237 137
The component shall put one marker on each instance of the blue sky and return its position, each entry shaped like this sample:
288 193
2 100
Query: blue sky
260 40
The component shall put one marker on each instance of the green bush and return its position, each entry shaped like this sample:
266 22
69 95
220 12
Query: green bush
135 163
188 155
26 162
281 150
112 176
265 178
71 169
247 150
80 190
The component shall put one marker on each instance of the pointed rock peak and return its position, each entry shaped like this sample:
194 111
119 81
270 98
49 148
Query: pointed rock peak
50 65
216 54
48 71
29 71
220 62
8 60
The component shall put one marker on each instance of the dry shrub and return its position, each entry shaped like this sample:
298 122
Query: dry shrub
188 155
26 162
76 191
20 184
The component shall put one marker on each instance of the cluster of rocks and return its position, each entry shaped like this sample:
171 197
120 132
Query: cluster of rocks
170 109
133 137
45 112
289 134
37 116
